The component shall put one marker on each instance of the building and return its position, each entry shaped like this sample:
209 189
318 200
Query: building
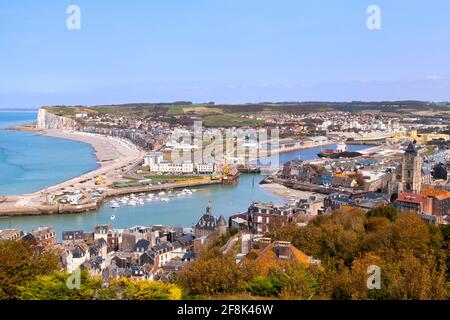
186 167
72 236
205 168
45 236
268 255
261 215
101 231
411 170
436 201
11 234
153 157
409 202
208 224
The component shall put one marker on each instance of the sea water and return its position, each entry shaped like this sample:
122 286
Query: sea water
30 161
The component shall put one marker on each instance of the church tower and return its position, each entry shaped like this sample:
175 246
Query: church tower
411 170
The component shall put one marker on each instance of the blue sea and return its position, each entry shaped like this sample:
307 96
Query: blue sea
30 161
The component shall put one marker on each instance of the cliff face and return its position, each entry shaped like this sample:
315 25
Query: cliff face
48 120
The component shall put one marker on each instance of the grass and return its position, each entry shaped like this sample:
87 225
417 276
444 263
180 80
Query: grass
170 177
229 120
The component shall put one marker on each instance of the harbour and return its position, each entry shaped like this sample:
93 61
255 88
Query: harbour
180 208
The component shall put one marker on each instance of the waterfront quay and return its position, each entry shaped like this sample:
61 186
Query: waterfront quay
9 207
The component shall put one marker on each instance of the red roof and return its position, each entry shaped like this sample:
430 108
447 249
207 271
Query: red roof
410 198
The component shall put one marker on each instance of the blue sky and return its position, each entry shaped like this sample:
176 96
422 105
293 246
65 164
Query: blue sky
227 51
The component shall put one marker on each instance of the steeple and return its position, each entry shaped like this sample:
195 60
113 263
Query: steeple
411 149
209 209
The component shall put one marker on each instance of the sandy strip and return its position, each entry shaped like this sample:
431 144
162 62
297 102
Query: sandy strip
288 194
106 148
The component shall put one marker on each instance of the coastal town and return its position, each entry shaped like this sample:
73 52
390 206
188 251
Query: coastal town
404 165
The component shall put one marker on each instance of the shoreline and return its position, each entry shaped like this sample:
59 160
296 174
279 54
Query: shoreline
286 193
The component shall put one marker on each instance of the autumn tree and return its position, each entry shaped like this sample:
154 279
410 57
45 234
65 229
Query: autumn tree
388 212
21 263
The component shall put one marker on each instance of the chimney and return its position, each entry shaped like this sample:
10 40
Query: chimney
282 249
264 243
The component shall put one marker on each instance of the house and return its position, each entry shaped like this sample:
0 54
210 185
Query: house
128 242
238 222
114 238
260 215
11 234
101 231
80 254
138 272
334 201
45 236
186 241
436 201
72 236
142 245
268 254
409 202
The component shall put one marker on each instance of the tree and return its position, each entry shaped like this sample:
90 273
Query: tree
209 276
265 286
21 263
146 290
388 212
54 287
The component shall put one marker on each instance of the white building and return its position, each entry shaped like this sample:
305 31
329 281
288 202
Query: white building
153 158
169 167
205 168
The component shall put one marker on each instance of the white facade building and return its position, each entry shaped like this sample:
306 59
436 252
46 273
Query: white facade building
153 158
169 167
205 168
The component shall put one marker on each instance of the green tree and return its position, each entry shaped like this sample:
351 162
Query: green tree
146 290
21 263
54 287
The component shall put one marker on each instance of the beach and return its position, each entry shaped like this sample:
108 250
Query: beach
106 149
286 193
114 156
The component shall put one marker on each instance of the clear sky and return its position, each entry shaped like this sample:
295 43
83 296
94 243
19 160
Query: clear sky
226 51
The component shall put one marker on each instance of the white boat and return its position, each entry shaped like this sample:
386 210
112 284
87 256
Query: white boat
132 203
114 205
162 193
165 199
